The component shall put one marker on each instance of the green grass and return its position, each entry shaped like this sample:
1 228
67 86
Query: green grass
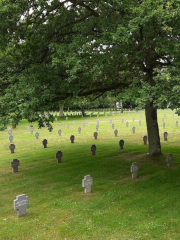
118 207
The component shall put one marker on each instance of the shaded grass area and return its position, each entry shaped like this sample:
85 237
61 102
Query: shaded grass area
118 207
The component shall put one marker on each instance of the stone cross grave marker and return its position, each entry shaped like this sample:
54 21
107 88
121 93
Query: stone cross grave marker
59 123
121 143
59 132
31 130
127 124
9 128
110 121
122 120
14 165
87 183
140 122
45 142
176 123
93 149
95 135
72 137
133 129
134 170
86 121
28 127
113 126
83 124
20 204
12 147
145 140
169 159
79 129
133 119
36 135
68 126
59 156
116 132
11 138
164 125
165 136
97 127
10 132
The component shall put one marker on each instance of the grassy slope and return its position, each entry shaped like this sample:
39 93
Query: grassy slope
117 208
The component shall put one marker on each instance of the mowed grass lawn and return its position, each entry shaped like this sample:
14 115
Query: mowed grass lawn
118 207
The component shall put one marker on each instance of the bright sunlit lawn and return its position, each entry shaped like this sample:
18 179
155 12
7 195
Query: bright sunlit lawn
118 207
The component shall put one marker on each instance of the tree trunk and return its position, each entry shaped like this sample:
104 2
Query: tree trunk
82 109
153 130
121 105
61 115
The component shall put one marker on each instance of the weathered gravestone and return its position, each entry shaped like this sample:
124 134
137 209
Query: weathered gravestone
72 137
59 156
95 135
134 170
93 149
68 126
133 129
133 119
116 132
20 204
86 121
11 138
10 132
121 143
169 159
163 125
97 127
31 130
140 122
36 135
145 140
79 129
122 120
113 126
86 183
44 142
12 147
127 124
59 123
14 165
59 132
110 121
28 127
83 124
176 123
9 128
165 136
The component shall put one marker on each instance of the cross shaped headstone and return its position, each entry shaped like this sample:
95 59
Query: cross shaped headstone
86 121
20 204
83 124
115 132
133 129
145 140
59 123
12 147
165 136
169 159
122 120
134 169
127 124
9 128
97 127
163 125
93 149
14 165
36 135
86 183
121 143
113 126
11 138
28 127
44 142
72 137
59 132
58 156
110 121
68 126
133 119
95 135
176 123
